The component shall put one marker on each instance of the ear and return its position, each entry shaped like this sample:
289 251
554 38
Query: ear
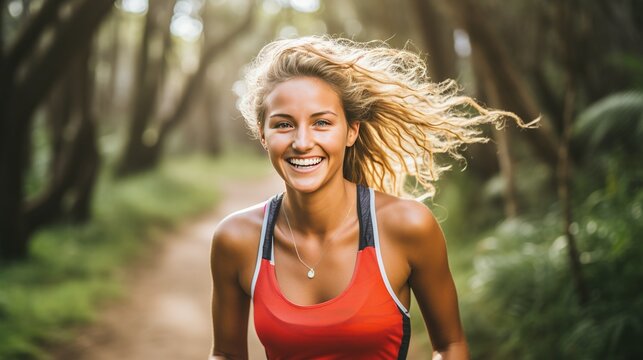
262 138
353 132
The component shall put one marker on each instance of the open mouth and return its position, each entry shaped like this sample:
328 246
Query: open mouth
304 163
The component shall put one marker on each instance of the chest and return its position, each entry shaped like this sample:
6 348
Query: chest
361 319
332 275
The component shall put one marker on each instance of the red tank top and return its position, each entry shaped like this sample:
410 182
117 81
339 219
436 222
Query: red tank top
365 321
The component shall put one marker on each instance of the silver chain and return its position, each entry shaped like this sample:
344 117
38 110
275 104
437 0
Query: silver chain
311 269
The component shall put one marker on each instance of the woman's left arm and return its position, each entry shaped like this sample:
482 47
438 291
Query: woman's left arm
432 283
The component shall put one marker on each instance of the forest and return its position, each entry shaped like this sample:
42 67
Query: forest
118 120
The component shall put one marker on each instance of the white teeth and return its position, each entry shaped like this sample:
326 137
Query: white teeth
305 162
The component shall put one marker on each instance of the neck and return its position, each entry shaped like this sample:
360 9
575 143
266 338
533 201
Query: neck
322 212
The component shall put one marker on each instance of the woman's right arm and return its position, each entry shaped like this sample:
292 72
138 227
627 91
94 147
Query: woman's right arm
230 303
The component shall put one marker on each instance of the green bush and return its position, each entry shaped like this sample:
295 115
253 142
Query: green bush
521 302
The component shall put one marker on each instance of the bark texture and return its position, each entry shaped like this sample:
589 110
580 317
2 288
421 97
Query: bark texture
70 36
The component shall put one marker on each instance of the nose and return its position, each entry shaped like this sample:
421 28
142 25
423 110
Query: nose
303 140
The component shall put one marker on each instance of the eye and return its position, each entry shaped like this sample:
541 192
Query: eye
322 122
282 125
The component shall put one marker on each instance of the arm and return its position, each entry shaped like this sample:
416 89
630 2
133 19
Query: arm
230 303
432 284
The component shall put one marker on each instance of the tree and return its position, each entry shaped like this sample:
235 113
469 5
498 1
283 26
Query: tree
75 163
506 87
145 89
437 33
141 152
26 92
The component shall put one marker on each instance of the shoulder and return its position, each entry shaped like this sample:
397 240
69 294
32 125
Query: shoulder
237 236
410 226
409 220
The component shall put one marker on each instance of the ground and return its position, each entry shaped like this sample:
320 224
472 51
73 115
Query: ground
166 312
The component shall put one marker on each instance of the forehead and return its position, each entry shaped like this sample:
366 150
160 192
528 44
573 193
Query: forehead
302 94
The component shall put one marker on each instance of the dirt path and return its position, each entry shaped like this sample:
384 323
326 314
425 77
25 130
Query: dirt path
166 313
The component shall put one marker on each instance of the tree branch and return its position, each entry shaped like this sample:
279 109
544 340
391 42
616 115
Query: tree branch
193 83
28 38
70 38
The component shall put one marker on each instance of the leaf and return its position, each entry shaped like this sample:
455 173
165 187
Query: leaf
612 122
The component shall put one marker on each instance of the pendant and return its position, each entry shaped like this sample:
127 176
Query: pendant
311 273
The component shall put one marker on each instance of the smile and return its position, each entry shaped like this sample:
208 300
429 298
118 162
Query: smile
303 163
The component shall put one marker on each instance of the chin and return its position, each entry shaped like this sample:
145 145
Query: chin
306 187
304 183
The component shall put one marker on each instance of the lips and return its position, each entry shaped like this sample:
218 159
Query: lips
305 163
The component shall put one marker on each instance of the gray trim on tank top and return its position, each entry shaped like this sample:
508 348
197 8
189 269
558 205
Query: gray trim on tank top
380 262
260 248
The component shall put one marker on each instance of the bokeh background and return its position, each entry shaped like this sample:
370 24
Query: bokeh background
118 126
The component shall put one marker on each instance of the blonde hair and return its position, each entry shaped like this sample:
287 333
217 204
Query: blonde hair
405 119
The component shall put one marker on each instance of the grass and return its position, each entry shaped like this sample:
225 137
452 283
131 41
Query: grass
72 269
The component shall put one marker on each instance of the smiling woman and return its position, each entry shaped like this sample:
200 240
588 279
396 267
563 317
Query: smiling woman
329 264
306 133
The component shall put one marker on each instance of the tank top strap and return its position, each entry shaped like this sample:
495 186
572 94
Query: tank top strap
366 237
265 250
364 210
270 219
375 236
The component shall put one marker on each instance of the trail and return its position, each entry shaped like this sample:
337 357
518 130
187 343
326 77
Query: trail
166 312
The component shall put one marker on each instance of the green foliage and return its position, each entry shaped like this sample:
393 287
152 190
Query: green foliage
72 269
607 141
521 302
615 122
458 193
517 297
633 64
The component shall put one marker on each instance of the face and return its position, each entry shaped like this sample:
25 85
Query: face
306 133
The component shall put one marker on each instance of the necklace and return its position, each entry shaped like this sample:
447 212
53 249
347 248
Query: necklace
311 269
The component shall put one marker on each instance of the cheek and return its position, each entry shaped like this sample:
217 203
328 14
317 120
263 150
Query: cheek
275 142
333 143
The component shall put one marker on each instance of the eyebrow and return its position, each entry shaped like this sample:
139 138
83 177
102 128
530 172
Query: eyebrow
319 113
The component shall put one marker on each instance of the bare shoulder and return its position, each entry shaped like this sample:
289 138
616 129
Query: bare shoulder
406 221
236 237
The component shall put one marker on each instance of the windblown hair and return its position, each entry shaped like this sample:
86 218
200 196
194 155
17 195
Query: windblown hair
405 118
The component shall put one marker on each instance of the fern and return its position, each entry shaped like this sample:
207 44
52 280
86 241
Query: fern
614 122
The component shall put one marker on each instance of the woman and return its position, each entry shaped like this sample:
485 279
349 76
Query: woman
329 265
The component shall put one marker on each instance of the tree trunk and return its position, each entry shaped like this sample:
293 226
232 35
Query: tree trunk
213 123
507 171
565 13
437 33
88 166
59 115
77 160
107 94
512 90
147 156
137 152
438 40
28 39
13 240
210 99
564 195
20 102
199 75
2 59
489 93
